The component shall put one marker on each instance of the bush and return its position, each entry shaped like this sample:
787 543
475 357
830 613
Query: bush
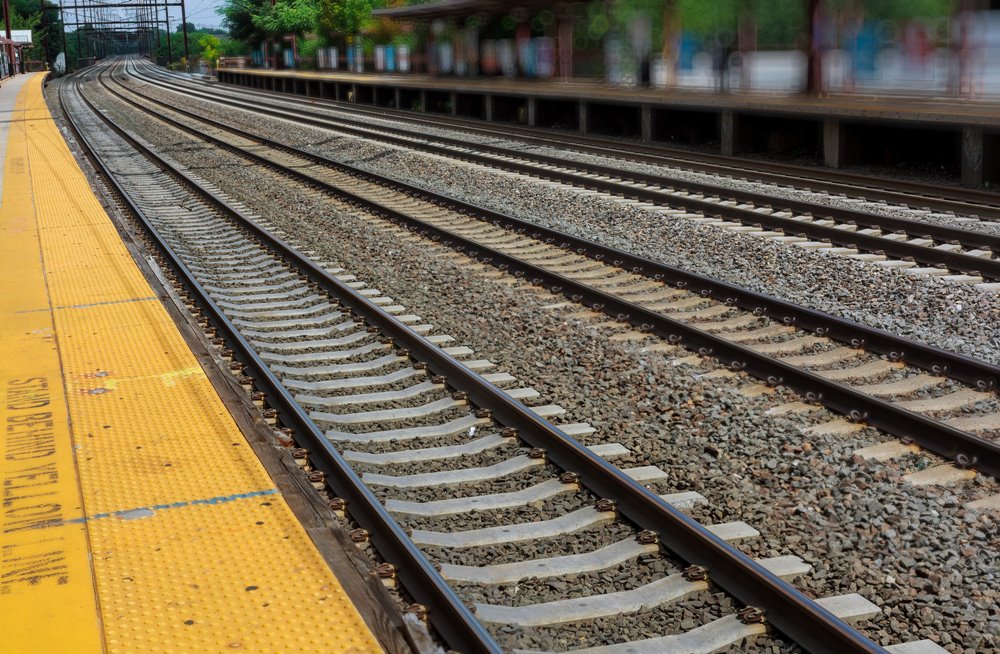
307 53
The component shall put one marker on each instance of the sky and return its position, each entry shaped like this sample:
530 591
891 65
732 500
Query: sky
202 13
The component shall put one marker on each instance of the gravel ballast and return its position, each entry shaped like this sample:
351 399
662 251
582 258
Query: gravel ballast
945 314
916 552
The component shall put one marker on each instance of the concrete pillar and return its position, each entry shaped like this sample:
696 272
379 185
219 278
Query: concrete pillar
532 111
453 100
727 133
972 156
489 107
354 92
397 98
423 100
646 119
583 117
833 143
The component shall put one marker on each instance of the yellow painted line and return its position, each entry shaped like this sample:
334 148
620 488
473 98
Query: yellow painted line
47 596
192 547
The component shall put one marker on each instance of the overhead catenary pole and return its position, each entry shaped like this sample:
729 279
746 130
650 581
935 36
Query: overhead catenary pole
45 44
87 41
166 17
184 22
79 47
10 43
156 30
62 21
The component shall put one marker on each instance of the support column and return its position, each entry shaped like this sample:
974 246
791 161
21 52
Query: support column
972 156
833 143
354 92
646 122
583 117
166 22
397 98
187 55
423 100
453 101
489 108
727 133
532 111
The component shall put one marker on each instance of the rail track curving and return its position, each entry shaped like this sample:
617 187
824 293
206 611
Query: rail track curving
940 400
845 231
891 190
358 380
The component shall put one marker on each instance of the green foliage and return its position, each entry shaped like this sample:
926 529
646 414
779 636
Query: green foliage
906 9
223 46
20 21
307 52
343 17
287 17
210 45
237 18
780 23
704 18
43 20
234 48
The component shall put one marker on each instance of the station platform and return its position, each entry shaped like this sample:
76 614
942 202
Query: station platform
887 107
135 515
845 129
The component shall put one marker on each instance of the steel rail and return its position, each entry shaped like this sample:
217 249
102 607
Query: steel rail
953 260
447 613
932 196
942 362
964 237
936 436
798 617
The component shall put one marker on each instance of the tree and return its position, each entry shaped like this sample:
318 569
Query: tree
343 17
287 17
210 48
43 20
238 19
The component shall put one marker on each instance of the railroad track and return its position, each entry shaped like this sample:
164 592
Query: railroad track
893 191
360 382
925 396
920 246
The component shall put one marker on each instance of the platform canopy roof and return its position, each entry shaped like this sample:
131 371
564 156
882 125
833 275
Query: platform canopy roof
461 8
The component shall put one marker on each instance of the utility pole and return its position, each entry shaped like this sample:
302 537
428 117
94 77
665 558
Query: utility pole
10 43
156 28
62 21
79 51
45 44
166 16
184 22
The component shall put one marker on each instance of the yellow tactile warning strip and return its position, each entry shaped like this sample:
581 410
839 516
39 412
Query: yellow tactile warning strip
135 517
